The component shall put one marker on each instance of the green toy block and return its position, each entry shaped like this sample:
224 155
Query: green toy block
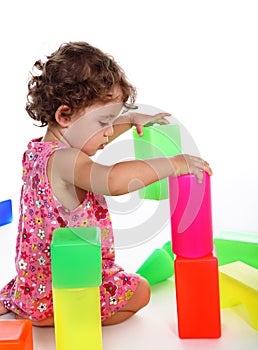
233 246
76 257
157 141
158 267
168 248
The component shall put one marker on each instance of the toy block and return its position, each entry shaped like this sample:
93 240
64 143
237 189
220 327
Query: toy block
157 141
76 277
168 248
16 335
239 285
197 296
77 252
191 216
77 318
233 246
6 215
157 267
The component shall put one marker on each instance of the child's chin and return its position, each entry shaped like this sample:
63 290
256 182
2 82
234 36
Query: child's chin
91 153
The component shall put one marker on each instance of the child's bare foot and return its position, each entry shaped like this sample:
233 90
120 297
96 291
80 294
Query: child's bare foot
47 322
3 310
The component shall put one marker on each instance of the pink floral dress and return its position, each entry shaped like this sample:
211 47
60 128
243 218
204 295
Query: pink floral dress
29 294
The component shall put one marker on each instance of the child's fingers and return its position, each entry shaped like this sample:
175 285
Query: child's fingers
139 129
199 165
158 118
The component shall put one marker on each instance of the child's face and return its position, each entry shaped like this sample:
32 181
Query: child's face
90 129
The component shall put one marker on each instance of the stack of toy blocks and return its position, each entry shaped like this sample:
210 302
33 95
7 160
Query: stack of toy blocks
196 266
16 335
157 141
76 277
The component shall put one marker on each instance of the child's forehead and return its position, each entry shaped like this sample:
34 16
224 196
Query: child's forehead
108 111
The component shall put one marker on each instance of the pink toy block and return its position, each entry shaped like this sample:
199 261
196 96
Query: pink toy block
191 218
16 335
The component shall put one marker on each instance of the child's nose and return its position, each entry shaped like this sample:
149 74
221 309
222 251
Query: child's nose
109 131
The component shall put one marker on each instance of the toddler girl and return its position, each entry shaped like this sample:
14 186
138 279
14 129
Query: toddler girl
81 94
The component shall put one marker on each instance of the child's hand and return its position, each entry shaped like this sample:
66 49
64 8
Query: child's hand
139 120
186 164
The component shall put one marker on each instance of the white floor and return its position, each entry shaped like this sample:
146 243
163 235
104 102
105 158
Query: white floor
155 327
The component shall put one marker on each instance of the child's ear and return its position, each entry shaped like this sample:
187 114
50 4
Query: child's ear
63 116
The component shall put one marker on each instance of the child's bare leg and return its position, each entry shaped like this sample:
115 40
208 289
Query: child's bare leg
140 299
3 310
47 322
44 323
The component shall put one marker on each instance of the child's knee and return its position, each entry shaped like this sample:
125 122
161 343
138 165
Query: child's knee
3 310
141 296
145 291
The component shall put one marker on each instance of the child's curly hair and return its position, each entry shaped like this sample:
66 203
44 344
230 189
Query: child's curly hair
77 75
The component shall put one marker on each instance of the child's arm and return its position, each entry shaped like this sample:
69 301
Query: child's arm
74 167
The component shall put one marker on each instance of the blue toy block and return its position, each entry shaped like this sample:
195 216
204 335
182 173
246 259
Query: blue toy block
6 215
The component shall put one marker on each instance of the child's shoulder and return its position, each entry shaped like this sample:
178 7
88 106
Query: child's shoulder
66 160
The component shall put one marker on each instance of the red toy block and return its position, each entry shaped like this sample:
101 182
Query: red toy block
197 295
16 335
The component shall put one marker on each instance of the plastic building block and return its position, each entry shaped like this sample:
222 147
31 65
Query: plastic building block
239 285
16 335
77 271
191 217
157 141
6 215
233 246
168 248
157 267
77 318
76 257
197 295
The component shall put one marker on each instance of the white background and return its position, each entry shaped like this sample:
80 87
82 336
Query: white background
196 59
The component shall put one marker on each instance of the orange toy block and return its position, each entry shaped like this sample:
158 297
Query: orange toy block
16 335
197 296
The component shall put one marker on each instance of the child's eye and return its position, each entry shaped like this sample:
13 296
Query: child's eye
103 124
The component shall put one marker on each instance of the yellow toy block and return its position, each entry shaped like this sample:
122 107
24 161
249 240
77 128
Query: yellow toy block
77 318
239 285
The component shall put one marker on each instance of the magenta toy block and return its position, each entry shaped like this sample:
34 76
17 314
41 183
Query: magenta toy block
6 215
197 295
16 335
191 217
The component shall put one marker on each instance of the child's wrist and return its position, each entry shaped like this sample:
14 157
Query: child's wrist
129 118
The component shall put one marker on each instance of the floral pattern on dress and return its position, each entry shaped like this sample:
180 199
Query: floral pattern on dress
29 293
